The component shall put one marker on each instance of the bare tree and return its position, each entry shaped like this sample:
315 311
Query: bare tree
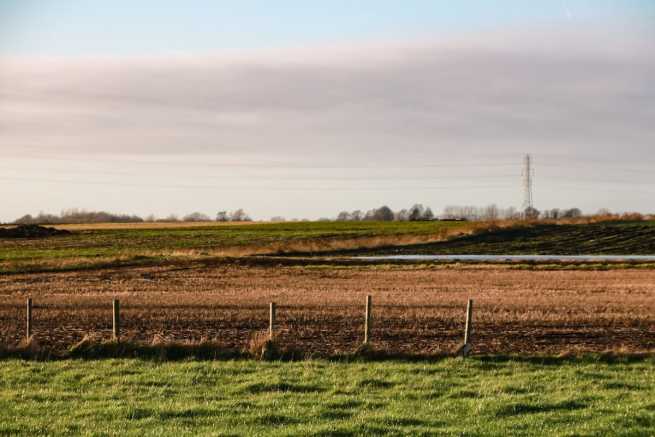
383 214
491 213
402 215
572 213
344 216
196 217
78 216
531 213
428 214
240 216
416 212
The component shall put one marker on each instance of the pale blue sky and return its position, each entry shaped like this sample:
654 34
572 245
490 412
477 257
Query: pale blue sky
305 108
127 27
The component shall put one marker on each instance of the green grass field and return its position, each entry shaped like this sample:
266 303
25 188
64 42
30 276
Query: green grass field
450 397
104 245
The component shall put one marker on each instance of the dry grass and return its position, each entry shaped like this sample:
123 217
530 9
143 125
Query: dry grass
27 348
417 310
93 346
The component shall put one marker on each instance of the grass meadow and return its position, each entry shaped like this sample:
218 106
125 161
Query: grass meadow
473 397
137 244
124 245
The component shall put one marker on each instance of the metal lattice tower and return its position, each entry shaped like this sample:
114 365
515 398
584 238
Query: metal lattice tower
527 183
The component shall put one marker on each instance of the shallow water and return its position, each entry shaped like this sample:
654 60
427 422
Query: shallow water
514 258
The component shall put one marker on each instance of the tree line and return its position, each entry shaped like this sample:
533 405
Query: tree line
417 212
77 216
475 213
385 214
493 212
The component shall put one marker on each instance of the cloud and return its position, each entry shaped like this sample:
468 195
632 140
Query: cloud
556 91
438 120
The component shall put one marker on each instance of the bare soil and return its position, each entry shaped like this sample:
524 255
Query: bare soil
416 309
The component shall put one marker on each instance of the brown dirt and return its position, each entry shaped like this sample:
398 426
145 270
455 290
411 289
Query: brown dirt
30 231
417 310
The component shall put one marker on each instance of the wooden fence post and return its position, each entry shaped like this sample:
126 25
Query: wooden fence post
271 320
367 320
28 331
467 330
117 320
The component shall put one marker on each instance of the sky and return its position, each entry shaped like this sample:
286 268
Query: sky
303 109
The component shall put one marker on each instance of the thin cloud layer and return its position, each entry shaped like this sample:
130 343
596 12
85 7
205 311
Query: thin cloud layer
500 94
401 120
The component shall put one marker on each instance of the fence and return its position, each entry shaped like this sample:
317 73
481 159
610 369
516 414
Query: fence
367 322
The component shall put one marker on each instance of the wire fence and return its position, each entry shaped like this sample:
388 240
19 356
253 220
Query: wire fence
325 330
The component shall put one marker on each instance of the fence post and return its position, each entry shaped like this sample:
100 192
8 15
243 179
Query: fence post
28 331
271 320
367 320
117 320
467 330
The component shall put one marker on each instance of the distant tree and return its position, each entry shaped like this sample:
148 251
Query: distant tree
510 213
240 216
196 217
428 214
278 219
450 213
531 213
78 216
222 216
383 214
491 213
572 213
402 215
344 216
416 212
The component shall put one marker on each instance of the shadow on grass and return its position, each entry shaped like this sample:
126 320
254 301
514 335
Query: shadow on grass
521 408
91 349
548 360
282 387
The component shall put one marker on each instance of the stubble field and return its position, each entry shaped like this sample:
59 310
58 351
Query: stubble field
417 310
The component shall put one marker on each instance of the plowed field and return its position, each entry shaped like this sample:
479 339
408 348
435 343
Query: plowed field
416 310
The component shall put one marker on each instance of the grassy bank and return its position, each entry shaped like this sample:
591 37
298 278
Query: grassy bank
450 397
